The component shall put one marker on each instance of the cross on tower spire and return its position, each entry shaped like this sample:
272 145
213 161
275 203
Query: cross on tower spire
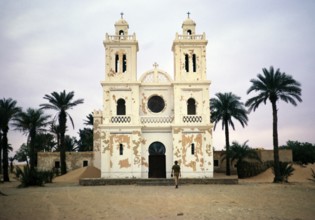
188 13
155 65
122 15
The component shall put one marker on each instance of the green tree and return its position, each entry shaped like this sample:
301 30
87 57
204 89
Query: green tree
89 119
303 153
71 143
45 142
85 143
241 153
62 102
274 86
22 153
224 108
31 122
8 111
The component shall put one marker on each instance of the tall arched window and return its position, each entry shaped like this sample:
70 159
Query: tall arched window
188 32
117 63
124 68
191 106
194 61
187 63
121 149
192 149
121 107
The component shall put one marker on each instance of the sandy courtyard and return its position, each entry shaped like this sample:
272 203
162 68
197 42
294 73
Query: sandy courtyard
250 199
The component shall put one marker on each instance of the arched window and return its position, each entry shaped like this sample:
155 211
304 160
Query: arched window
121 149
187 63
188 32
117 63
121 107
192 149
121 34
124 68
191 106
194 61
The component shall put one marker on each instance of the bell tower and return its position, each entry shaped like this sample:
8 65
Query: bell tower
121 54
189 51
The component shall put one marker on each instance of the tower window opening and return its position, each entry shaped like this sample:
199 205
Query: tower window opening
116 63
121 107
124 63
194 61
192 149
191 106
121 34
188 32
121 149
187 63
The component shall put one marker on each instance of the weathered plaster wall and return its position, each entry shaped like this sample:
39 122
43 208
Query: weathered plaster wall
199 164
74 160
264 155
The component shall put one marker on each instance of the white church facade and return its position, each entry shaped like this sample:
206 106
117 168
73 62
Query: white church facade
146 124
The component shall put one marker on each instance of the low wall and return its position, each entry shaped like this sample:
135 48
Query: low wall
74 160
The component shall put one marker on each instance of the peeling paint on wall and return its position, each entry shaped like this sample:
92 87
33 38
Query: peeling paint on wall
124 163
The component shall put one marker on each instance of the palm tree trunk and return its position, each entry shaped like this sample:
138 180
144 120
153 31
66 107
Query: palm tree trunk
227 144
0 152
5 156
277 178
62 124
32 150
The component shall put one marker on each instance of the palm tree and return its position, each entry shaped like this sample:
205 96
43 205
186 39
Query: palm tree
61 102
242 153
31 123
89 119
274 86
8 111
224 108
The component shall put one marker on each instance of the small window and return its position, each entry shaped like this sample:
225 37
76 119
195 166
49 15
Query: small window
216 163
191 106
192 149
121 149
121 107
85 163
57 164
194 61
188 32
187 63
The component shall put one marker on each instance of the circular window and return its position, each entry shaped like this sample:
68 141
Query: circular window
156 103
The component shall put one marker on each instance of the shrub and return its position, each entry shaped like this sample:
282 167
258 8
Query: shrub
247 169
34 177
286 170
313 175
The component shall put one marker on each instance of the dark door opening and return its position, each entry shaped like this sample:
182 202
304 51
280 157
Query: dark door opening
157 162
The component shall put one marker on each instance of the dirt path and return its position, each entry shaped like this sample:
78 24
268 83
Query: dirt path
243 201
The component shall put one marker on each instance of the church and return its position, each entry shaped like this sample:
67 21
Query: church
148 123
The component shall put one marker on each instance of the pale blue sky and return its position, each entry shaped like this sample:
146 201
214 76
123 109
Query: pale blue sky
49 46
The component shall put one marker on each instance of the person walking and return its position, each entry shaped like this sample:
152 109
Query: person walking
176 173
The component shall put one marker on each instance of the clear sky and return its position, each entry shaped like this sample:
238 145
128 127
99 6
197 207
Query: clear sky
50 46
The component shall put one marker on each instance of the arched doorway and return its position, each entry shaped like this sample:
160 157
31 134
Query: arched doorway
157 166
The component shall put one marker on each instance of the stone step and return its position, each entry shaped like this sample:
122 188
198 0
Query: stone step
155 182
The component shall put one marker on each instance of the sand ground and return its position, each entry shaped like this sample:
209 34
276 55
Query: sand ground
254 198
